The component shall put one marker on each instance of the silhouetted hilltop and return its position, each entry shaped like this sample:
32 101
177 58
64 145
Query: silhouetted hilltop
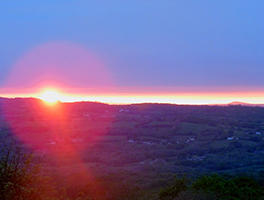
245 104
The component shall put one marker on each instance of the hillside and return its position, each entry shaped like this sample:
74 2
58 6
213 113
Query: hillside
141 145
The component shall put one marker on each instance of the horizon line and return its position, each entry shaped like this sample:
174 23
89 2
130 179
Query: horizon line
236 102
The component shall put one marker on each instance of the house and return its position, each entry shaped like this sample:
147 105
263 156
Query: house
148 143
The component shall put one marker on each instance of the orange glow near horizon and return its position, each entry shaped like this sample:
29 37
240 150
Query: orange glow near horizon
69 67
195 98
192 99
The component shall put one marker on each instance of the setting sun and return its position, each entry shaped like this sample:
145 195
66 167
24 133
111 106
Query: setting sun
50 96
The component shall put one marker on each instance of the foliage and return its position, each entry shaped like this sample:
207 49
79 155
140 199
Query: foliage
20 178
213 187
174 188
236 188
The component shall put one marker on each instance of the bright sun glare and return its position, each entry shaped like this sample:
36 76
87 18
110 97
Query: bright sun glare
50 96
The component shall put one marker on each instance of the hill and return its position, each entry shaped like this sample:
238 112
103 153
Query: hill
245 104
140 144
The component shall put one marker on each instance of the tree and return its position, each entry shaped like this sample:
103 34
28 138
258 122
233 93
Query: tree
174 188
235 144
237 188
20 177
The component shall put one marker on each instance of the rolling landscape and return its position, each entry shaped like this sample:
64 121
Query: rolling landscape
131 100
134 150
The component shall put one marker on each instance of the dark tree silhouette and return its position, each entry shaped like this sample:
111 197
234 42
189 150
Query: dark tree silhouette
20 177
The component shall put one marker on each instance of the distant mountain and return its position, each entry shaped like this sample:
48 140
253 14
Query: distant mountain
235 103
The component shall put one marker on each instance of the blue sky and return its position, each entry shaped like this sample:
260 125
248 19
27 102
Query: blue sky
147 43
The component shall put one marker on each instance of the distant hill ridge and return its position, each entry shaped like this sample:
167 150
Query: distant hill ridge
234 103
244 104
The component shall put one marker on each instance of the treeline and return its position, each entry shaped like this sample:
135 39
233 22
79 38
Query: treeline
22 177
210 187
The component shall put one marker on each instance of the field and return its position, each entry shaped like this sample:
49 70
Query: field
140 145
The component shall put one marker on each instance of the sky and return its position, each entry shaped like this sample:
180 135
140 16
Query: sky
116 51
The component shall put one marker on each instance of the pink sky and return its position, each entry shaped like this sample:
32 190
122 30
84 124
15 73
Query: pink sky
78 74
